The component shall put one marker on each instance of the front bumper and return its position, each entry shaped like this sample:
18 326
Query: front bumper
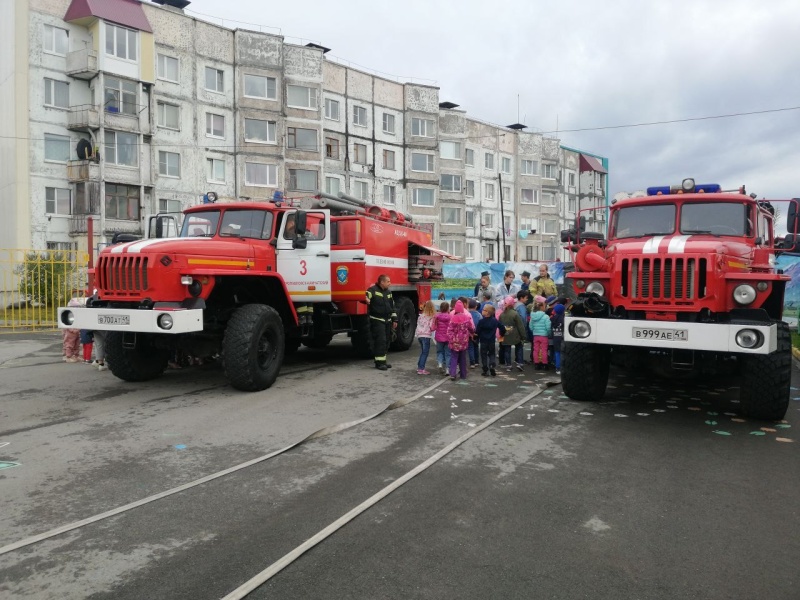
712 337
126 319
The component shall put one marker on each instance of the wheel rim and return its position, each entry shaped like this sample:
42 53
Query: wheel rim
267 349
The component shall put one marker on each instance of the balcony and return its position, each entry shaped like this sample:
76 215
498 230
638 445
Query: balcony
83 117
122 226
79 224
83 170
82 64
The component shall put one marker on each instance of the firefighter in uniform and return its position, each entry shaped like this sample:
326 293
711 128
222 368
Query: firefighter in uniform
382 319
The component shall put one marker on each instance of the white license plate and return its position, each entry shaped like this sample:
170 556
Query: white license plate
653 333
113 319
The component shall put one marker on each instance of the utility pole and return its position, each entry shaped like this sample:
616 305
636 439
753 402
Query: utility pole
502 214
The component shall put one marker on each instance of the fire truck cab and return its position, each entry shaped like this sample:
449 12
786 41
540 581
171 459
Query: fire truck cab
685 282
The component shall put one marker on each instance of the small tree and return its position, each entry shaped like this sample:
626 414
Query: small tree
47 277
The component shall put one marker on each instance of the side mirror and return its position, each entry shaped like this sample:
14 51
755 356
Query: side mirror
793 215
299 243
582 224
566 235
159 227
301 224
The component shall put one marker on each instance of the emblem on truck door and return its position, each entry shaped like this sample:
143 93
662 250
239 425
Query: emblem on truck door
341 275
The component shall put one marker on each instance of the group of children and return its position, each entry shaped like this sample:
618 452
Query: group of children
76 339
470 332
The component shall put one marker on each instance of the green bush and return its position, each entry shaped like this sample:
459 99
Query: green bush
47 278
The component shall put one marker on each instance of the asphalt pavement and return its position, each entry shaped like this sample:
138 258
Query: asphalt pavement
661 491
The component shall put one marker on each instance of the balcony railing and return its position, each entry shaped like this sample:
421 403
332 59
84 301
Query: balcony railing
82 64
83 116
83 170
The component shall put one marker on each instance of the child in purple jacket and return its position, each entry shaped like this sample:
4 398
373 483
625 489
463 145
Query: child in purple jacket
440 335
459 332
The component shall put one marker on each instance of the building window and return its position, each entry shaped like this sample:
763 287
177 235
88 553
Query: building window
452 247
505 164
572 203
422 162
56 93
361 190
549 227
258 131
488 219
360 116
86 200
57 200
331 109
450 150
469 157
215 80
422 127
549 171
216 170
260 175
469 190
215 125
56 147
529 196
56 40
300 96
122 202
470 251
257 86
302 139
470 216
548 253
388 160
388 123
450 183
506 194
167 68
548 199
360 154
507 225
332 148
572 179
531 253
488 192
122 148
332 185
488 251
120 96
488 160
121 42
169 115
389 194
302 179
451 216
62 246
530 167
169 164
165 205
423 197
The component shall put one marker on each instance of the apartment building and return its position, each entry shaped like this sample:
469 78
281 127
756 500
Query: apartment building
119 108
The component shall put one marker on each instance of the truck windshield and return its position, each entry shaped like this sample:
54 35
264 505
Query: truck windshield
256 224
715 218
642 221
200 224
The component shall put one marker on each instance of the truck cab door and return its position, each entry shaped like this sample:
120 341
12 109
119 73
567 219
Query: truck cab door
304 257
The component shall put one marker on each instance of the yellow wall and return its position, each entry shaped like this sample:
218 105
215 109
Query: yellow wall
148 57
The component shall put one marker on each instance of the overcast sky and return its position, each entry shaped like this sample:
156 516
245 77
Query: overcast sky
588 64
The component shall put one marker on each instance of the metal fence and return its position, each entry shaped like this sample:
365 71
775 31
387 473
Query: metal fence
34 283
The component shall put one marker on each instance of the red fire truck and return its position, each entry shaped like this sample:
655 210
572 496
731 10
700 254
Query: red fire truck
251 281
685 282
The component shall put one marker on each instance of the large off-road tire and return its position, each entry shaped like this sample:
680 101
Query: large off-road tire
143 362
253 347
360 338
406 324
766 380
584 370
319 341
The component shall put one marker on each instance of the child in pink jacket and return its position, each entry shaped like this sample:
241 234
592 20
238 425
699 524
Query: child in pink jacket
440 335
459 333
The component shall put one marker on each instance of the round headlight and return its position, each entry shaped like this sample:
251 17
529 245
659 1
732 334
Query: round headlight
580 329
165 321
67 317
762 286
748 338
580 283
596 288
744 294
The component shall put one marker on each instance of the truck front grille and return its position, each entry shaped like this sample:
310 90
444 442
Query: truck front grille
122 275
664 280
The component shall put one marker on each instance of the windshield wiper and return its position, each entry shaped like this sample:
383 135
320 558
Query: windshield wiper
701 231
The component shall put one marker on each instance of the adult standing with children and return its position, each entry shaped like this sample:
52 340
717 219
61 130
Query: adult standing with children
382 319
545 286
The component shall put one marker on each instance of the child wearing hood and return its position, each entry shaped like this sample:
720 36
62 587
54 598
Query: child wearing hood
474 355
557 324
515 335
459 332
540 328
486 330
440 335
426 324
